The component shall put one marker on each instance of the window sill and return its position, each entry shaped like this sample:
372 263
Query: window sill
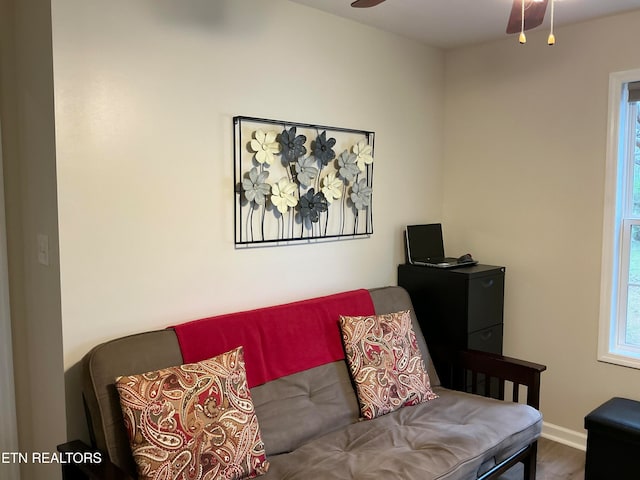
628 360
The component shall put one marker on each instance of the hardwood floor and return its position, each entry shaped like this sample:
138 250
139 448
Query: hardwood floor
555 462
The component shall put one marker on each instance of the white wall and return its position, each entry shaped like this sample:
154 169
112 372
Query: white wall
145 94
525 139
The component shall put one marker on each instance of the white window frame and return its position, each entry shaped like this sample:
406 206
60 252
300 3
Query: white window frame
612 347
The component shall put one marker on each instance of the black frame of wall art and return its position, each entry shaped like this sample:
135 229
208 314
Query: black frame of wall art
297 182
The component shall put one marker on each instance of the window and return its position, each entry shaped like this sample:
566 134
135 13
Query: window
620 295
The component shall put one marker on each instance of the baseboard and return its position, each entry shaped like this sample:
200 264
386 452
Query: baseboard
565 436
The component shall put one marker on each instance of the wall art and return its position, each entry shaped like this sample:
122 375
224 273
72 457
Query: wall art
297 182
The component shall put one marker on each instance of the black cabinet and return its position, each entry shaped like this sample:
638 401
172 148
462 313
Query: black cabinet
457 308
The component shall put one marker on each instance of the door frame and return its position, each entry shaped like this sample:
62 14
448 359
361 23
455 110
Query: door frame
8 422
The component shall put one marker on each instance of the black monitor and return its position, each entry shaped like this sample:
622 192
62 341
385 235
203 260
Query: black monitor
425 242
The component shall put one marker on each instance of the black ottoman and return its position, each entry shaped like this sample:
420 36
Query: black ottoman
613 441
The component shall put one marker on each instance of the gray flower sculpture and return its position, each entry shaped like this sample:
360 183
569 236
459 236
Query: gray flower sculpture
323 149
312 204
361 194
348 166
306 170
292 146
255 186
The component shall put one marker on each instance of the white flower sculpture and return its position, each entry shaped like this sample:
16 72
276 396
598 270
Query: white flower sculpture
332 187
364 154
282 195
265 146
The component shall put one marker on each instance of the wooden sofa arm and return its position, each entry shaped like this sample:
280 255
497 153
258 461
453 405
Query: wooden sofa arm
486 373
99 467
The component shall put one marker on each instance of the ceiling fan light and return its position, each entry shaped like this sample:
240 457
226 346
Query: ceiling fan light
552 38
522 38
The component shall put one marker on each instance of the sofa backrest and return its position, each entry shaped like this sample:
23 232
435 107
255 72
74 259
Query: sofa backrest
291 410
143 352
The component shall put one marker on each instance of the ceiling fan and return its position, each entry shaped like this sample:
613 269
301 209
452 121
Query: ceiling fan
366 3
525 15
534 11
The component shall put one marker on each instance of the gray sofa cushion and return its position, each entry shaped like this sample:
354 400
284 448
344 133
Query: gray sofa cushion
449 438
300 407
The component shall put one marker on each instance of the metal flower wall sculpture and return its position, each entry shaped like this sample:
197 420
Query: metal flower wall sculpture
291 185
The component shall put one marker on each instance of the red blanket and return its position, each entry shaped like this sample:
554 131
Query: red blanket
277 341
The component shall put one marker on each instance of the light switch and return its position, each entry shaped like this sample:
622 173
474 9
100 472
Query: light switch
43 249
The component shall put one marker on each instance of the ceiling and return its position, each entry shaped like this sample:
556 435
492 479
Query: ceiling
454 23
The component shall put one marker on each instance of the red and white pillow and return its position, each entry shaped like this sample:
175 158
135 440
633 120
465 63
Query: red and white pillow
385 362
193 421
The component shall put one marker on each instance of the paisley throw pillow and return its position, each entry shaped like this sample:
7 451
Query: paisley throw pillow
193 421
385 362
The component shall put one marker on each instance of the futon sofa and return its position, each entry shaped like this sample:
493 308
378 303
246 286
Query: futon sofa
308 410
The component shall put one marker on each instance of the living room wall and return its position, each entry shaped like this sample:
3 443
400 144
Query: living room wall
145 93
525 145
